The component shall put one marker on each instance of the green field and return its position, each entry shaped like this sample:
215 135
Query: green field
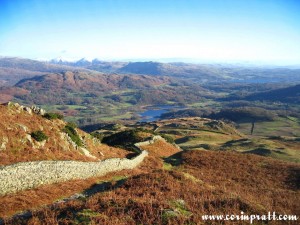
280 127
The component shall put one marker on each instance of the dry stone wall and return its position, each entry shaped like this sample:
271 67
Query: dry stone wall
149 142
26 175
152 141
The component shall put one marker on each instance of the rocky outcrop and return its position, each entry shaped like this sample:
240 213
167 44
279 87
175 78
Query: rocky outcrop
33 109
38 110
26 175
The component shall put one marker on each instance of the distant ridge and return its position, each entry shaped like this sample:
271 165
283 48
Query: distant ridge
14 69
288 95
203 72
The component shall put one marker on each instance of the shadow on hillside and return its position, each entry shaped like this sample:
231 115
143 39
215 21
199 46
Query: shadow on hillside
237 141
174 160
23 217
259 151
293 180
184 139
131 155
104 186
266 152
241 142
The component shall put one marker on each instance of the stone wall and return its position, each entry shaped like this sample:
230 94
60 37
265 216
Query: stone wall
26 175
149 142
152 140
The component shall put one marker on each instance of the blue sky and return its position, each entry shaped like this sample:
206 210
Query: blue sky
247 30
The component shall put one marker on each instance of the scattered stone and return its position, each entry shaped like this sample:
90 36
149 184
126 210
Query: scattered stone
87 153
23 127
3 144
29 139
170 213
40 144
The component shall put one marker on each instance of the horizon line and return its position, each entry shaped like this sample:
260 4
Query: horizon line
164 60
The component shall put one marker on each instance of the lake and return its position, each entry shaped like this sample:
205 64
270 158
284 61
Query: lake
154 112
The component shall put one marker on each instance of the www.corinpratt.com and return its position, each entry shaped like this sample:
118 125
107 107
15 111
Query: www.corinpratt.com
251 218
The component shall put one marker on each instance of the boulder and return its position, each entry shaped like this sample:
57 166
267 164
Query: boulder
38 110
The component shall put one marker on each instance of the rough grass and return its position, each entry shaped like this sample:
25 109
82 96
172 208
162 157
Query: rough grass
283 148
279 127
161 148
204 183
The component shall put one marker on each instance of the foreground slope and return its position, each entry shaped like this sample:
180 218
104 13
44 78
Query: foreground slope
195 183
170 186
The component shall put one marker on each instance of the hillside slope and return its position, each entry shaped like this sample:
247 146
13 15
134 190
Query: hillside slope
170 186
18 143
195 183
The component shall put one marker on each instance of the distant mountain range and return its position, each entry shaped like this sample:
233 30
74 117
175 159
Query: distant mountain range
98 82
196 72
13 69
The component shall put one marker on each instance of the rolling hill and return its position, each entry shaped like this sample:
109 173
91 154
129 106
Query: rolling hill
95 95
77 86
92 82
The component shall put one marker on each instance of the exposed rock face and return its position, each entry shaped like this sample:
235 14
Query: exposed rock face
33 109
22 176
